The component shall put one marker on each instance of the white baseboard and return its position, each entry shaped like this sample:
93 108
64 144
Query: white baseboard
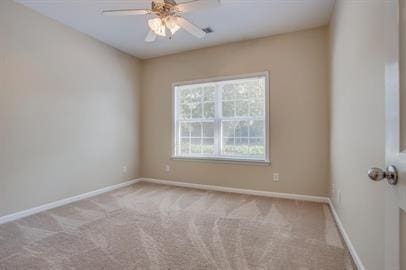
44 207
239 190
347 240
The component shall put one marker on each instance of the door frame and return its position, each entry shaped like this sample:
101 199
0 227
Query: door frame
393 153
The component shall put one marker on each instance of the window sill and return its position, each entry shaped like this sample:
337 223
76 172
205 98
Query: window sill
224 160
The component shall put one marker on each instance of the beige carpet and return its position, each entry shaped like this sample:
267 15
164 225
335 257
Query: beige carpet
148 226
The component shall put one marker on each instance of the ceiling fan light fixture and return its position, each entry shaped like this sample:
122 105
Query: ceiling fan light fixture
168 18
172 25
157 26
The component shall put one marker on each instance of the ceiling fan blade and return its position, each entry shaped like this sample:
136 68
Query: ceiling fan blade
191 28
151 37
126 12
197 5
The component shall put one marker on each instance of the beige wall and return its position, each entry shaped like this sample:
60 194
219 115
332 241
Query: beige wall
299 112
357 109
69 109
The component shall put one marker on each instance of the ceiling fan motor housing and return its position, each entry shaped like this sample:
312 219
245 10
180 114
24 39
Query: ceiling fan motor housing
165 9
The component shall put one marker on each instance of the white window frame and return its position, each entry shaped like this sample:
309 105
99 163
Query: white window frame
250 161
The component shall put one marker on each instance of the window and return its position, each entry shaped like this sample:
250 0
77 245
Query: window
223 119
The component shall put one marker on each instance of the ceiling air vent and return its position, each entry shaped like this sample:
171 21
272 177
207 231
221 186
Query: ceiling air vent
208 30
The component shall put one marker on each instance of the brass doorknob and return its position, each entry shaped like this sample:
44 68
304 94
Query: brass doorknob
391 174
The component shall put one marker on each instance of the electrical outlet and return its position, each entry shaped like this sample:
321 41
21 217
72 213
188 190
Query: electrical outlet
276 177
167 168
124 169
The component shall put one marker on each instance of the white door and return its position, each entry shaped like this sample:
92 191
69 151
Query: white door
395 91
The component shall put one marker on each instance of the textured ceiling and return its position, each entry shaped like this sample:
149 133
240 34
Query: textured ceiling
234 20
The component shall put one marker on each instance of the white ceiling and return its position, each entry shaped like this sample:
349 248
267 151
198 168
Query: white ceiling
234 20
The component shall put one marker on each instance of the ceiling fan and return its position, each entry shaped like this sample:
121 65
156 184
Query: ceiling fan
167 17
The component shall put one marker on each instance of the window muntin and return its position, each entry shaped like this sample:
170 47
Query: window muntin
222 119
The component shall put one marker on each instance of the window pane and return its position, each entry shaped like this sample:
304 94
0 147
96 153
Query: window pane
228 109
196 130
257 147
256 141
243 138
208 142
185 96
242 107
209 110
257 90
231 140
228 92
184 130
196 94
208 146
237 149
208 130
184 146
256 108
195 147
228 128
241 128
242 91
197 138
196 110
185 111
257 128
248 97
209 93
241 141
191 103
228 145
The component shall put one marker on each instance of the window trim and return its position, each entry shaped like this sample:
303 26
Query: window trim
238 160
